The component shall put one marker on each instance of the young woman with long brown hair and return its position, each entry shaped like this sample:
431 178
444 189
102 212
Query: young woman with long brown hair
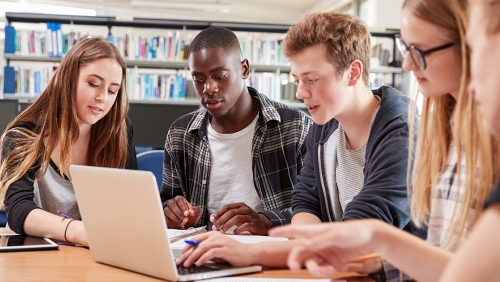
456 161
80 118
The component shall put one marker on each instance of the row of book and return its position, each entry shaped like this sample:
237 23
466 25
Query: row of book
26 80
172 47
268 84
163 48
156 86
380 56
263 51
178 86
51 43
175 47
149 86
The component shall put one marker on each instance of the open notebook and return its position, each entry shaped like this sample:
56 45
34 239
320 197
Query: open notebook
178 236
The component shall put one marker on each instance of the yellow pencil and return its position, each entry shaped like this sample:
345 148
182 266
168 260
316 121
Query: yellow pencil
365 257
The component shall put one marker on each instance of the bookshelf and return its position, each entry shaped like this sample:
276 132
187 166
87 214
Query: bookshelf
257 66
143 110
145 63
182 64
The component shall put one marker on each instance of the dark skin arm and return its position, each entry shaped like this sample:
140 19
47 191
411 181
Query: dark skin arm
241 215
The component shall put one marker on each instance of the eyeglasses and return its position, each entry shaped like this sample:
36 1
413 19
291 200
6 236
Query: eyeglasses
417 55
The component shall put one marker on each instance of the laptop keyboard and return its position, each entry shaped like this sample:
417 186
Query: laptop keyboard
181 270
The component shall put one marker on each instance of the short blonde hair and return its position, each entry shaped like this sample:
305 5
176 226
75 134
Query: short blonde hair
345 37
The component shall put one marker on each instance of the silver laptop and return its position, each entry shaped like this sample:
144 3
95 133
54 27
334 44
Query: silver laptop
125 224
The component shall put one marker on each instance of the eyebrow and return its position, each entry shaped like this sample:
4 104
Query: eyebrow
102 79
210 71
419 45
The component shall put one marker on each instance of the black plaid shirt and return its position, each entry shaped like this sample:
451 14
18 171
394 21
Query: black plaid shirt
278 150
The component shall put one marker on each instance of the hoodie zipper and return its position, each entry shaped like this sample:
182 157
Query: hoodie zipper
323 184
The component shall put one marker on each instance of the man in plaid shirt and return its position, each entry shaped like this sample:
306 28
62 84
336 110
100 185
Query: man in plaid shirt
233 162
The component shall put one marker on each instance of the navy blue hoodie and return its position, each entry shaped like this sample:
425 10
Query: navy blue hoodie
384 192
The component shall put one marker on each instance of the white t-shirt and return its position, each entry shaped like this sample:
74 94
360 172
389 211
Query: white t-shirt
231 175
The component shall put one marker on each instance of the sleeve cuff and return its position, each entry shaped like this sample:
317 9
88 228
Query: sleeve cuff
389 273
276 218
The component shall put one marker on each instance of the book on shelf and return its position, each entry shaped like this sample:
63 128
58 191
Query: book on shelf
263 50
145 84
271 85
51 43
289 90
174 46
163 48
26 80
10 34
9 85
379 56
154 86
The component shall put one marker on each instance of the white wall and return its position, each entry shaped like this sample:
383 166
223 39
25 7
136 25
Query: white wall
387 13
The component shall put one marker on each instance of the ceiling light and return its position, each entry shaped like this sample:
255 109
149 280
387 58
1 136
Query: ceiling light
62 10
225 8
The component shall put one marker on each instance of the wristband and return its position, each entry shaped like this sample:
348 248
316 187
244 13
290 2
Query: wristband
66 230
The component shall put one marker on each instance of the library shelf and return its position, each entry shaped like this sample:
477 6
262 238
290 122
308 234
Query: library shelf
182 65
143 22
158 64
27 98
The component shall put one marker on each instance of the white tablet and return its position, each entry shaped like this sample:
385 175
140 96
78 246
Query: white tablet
16 243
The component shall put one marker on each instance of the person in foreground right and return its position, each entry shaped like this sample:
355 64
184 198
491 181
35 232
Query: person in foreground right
456 162
478 258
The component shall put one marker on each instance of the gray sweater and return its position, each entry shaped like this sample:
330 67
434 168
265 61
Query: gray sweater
51 193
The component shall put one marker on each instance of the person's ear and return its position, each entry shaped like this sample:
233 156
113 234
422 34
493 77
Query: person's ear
245 68
355 72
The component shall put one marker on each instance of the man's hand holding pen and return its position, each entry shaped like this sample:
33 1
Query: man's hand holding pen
180 214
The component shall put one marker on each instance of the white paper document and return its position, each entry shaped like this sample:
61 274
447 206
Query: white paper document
248 239
178 245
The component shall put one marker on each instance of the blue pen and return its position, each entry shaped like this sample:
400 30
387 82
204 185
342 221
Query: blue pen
193 243
64 215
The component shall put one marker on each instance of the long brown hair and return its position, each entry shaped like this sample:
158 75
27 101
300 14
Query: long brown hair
444 120
55 120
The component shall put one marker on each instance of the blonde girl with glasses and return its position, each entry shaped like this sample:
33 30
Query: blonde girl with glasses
456 163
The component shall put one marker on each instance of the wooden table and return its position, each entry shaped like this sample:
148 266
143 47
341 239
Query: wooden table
76 264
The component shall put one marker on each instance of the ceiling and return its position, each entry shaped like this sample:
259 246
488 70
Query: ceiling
264 11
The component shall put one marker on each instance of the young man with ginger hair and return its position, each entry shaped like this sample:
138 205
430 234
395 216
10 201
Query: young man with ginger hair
357 149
